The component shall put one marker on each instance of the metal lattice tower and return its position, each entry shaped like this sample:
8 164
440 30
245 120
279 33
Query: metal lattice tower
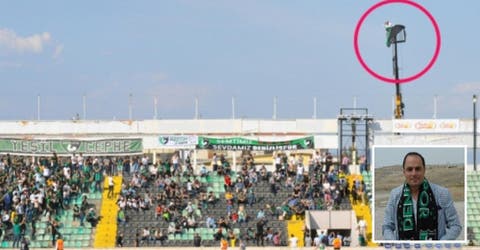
355 127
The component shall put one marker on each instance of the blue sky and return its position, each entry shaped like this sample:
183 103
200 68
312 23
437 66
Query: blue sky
213 50
390 156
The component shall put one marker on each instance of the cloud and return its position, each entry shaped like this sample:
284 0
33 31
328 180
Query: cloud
30 44
58 51
465 88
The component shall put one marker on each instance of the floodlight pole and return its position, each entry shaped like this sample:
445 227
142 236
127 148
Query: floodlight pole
398 94
392 32
38 107
84 102
474 132
130 109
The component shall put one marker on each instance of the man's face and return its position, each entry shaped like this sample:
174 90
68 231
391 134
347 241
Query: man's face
414 171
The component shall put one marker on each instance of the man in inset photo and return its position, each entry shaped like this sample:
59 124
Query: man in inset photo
419 209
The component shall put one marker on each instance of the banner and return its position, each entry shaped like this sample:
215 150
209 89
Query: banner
177 141
62 147
238 143
426 126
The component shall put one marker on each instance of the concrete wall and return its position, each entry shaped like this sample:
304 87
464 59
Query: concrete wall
325 130
205 127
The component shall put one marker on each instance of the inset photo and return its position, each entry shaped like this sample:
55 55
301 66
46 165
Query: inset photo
419 193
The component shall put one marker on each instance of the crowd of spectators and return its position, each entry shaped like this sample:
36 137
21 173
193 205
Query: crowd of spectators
174 190
43 188
34 189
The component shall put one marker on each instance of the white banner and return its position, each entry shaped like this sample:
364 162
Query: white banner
178 141
426 126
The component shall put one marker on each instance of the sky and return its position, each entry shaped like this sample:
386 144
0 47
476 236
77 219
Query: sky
107 54
393 155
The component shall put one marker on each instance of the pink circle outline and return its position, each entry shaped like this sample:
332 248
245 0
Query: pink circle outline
402 80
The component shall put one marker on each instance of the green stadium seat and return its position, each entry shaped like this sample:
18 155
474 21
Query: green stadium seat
84 237
7 244
77 244
69 244
98 196
34 244
45 243
209 179
85 243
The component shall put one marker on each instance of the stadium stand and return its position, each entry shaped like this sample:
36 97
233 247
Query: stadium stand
473 206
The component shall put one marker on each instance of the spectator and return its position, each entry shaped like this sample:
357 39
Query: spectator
362 227
317 241
241 198
223 244
59 244
276 239
92 217
219 234
227 182
24 245
111 185
212 199
145 235
269 234
203 171
17 233
346 241
210 222
158 211
331 237
197 240
259 235
345 163
222 222
261 214
293 241
119 240
242 215
54 231
121 218
337 243
250 235
160 236
251 197
232 238
242 244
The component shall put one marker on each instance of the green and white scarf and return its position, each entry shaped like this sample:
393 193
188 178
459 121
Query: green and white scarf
425 228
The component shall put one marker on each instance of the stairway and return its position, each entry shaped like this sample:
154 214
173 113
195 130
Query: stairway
296 227
106 230
362 210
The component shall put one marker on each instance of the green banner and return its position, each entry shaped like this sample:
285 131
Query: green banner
237 143
62 147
